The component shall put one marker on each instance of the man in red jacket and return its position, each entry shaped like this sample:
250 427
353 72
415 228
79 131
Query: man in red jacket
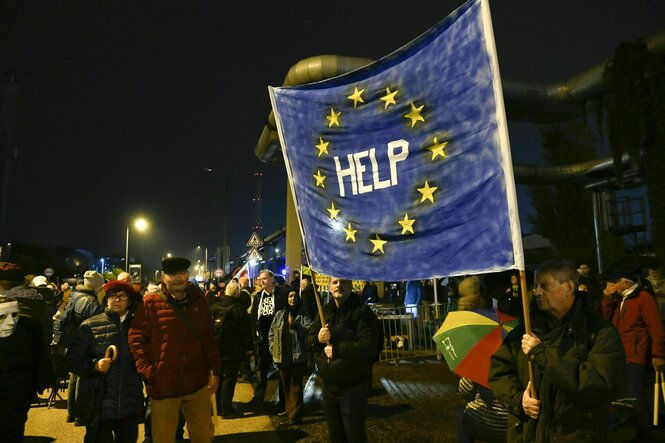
173 342
635 314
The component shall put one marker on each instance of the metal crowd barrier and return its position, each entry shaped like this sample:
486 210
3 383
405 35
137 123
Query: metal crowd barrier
408 330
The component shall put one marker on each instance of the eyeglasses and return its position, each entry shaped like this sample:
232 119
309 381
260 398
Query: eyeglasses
122 297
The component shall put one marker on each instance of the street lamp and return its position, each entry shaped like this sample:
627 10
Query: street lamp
205 264
140 224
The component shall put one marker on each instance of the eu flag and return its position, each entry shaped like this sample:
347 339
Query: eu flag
401 170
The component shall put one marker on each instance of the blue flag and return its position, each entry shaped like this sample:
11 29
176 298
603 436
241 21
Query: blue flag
401 170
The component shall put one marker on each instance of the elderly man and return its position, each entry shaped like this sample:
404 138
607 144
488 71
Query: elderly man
173 342
346 343
267 301
577 360
634 312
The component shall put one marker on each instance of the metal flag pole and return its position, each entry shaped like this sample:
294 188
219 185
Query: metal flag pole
527 329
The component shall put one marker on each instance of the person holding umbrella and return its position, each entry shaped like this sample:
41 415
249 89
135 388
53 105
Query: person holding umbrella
109 395
576 362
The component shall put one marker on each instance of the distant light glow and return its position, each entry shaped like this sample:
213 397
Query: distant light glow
283 272
141 224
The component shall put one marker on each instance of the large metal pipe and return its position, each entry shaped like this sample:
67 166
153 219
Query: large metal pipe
524 102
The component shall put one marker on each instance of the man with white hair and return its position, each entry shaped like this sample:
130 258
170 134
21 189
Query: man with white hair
125 276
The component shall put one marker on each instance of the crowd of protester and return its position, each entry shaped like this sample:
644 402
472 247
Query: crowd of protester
595 341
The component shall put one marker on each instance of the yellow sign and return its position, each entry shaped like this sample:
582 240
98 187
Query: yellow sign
254 241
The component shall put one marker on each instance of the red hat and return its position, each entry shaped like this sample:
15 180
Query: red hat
114 286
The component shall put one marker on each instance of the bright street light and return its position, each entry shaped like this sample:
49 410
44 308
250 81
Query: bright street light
140 224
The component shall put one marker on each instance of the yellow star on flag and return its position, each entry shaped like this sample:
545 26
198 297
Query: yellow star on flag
428 192
333 118
407 224
414 115
437 148
333 211
322 147
350 233
356 96
319 179
389 98
378 244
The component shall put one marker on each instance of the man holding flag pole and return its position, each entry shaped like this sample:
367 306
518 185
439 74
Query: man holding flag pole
572 357
401 170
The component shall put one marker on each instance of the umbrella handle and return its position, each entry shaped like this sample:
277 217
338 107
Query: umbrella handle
112 353
656 393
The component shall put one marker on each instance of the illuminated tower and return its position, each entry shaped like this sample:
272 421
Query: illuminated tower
258 226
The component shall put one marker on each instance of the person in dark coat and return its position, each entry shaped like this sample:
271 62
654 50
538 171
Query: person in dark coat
234 339
346 345
22 361
109 396
578 365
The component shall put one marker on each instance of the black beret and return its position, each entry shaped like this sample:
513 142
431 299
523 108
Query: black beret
173 265
617 274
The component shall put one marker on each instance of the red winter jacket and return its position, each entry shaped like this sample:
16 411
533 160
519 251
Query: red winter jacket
639 325
169 357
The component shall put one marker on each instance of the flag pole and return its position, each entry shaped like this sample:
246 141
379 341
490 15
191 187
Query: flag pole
527 329
317 297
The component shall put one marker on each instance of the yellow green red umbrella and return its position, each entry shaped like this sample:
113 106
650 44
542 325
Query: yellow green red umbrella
467 340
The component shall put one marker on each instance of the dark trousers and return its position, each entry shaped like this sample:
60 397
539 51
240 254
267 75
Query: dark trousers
227 385
14 414
636 374
292 382
125 430
264 363
345 412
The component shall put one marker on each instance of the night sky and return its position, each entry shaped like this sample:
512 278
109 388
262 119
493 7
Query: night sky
123 105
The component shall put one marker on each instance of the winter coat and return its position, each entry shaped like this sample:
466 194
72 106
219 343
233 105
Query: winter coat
639 325
85 304
170 358
354 334
232 328
32 304
263 322
24 371
117 394
23 364
579 370
414 293
298 337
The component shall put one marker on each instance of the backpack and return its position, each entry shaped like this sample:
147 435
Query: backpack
66 325
225 328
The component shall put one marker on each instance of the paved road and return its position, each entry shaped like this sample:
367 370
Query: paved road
49 425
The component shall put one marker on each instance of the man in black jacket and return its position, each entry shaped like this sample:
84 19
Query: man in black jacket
578 365
234 340
346 345
109 394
